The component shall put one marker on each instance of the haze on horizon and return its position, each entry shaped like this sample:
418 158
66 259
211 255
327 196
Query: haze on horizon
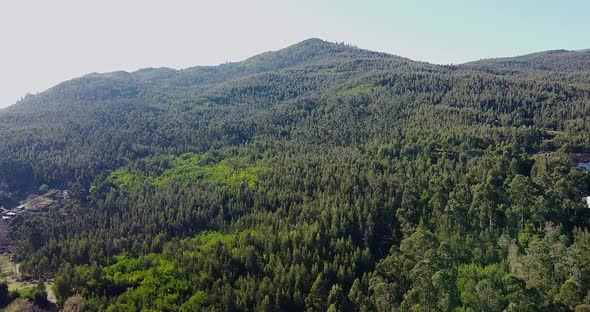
47 42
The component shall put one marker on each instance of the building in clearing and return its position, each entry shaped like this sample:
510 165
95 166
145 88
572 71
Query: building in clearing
585 166
588 201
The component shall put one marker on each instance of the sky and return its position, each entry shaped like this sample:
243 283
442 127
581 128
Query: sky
43 43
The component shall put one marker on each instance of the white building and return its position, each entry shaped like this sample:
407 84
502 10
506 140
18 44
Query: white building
583 166
588 201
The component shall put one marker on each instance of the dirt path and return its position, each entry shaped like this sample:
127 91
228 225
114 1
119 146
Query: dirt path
50 295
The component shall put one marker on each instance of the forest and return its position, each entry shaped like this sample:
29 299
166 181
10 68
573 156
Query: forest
320 177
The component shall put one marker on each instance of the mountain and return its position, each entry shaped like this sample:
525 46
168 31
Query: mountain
317 177
554 60
311 54
303 53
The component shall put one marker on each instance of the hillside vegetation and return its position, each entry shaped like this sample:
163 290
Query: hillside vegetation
320 177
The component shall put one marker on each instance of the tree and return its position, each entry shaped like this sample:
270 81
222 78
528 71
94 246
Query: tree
336 297
4 294
522 193
316 300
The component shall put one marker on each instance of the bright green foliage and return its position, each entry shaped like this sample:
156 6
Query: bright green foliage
206 240
481 287
147 282
195 303
189 168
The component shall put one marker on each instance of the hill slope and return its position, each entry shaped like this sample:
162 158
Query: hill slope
555 60
317 177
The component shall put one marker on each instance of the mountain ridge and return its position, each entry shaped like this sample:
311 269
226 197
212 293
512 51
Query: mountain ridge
308 53
301 53
551 60
312 52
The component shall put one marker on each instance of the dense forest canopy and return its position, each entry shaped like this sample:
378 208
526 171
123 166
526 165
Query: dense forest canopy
318 177
554 60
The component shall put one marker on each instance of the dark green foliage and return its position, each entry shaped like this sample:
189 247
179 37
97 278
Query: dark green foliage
4 294
320 177
555 60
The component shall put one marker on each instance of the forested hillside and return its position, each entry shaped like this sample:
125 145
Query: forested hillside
555 60
320 177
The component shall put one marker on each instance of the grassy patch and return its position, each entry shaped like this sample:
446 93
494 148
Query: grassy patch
208 239
9 272
189 168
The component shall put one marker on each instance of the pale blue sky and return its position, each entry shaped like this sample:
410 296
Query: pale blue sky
46 42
